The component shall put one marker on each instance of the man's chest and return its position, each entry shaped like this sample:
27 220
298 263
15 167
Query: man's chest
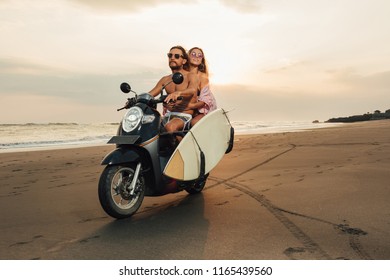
173 87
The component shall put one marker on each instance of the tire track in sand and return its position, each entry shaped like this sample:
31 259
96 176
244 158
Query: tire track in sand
309 245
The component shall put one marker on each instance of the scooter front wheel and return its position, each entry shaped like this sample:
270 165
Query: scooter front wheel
116 196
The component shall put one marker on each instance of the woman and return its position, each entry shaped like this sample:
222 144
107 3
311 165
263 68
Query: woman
206 103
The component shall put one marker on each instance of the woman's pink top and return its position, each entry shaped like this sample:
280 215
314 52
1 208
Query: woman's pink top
208 98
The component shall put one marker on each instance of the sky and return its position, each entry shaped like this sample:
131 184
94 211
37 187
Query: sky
269 60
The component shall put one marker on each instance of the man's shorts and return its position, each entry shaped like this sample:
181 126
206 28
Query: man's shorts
186 118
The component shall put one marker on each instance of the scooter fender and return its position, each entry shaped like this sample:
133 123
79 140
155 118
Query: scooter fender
120 156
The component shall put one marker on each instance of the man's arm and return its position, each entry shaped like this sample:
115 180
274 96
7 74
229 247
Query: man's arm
157 89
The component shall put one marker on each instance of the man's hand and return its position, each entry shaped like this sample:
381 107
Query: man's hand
178 105
169 106
172 97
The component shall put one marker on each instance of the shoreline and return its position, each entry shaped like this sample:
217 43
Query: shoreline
271 130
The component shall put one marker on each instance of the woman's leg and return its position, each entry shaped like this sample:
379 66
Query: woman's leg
196 119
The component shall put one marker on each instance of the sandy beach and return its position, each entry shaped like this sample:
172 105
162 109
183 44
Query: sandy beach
317 194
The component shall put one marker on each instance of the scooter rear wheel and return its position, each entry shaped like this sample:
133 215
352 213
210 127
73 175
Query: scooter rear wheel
115 195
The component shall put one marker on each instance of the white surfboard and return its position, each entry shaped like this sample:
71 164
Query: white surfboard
211 135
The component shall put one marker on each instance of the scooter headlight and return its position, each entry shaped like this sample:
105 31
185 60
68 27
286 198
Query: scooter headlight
132 119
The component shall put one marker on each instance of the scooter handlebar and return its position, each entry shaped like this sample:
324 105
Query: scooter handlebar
162 99
132 101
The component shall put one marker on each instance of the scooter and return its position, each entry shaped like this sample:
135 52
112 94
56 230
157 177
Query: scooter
143 147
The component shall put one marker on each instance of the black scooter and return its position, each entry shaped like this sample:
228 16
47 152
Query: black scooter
135 168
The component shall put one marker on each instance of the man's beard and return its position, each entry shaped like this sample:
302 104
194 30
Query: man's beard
175 67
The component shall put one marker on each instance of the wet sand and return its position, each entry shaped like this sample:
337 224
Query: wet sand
317 194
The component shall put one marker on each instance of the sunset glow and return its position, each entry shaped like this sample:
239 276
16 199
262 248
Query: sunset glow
294 60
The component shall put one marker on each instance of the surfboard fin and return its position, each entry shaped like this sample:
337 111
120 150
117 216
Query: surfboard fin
231 141
202 164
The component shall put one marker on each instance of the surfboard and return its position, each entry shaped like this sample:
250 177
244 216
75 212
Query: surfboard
210 136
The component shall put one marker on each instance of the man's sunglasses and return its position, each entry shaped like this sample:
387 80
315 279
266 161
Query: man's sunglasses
177 56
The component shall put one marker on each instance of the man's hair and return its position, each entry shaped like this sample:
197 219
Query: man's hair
184 53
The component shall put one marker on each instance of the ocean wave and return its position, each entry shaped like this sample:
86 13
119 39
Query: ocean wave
31 135
79 141
38 124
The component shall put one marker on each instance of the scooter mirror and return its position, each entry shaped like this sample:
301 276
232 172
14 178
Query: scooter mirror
125 87
177 78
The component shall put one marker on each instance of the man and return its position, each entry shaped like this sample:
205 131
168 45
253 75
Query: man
179 96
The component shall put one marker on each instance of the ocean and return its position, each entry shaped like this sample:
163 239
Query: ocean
33 136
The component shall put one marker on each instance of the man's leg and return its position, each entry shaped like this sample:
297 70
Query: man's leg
175 124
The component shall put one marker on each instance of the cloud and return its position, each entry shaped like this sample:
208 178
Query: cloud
120 6
44 109
32 92
123 6
284 64
379 82
18 66
349 93
21 77
269 104
246 6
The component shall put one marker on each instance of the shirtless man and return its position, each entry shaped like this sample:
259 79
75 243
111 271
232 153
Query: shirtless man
178 115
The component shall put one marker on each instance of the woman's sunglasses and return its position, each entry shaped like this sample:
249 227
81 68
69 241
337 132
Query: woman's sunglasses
177 56
198 55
